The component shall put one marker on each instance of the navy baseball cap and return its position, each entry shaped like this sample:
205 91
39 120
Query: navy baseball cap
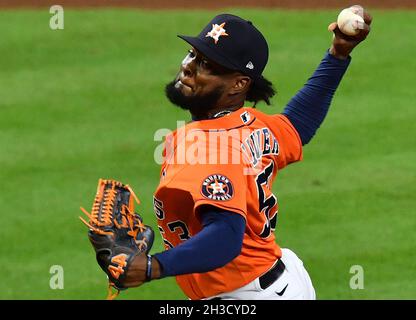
234 43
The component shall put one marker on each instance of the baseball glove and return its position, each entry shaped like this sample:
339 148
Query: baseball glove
116 232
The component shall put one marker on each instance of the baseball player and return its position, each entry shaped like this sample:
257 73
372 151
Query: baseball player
214 205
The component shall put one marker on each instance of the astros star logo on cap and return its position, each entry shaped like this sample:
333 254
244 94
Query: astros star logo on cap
217 31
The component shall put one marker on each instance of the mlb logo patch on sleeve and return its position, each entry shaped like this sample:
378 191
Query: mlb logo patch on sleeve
245 117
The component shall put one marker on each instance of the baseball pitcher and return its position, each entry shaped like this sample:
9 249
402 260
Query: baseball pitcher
214 205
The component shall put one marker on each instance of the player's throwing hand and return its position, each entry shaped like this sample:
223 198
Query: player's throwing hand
343 44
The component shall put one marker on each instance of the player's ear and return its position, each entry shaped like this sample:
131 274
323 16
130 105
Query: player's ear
241 84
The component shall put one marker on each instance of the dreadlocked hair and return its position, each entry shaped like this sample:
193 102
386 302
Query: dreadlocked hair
261 89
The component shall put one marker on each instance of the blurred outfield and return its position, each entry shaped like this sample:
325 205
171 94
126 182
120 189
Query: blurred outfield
84 102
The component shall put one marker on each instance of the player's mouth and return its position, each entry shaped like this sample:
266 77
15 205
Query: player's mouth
181 84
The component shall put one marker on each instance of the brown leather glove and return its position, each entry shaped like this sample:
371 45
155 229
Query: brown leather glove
116 232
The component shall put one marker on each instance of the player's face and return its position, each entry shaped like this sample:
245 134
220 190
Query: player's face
201 84
199 75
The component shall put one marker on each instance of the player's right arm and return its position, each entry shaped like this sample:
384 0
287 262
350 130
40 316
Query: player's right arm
308 108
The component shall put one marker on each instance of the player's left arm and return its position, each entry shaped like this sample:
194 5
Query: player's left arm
308 108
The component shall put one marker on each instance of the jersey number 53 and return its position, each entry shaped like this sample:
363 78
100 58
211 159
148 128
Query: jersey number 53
177 227
267 205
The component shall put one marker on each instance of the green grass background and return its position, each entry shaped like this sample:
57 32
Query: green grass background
84 102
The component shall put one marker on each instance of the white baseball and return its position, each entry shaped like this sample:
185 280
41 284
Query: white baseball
350 20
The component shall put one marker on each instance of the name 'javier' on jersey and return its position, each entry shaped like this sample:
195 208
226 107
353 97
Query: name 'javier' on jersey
259 143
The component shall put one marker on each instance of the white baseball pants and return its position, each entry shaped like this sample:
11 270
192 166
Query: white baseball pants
293 284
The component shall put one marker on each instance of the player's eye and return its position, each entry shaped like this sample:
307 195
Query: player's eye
203 63
191 53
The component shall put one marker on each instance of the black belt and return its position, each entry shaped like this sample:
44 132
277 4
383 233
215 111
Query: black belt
269 277
272 275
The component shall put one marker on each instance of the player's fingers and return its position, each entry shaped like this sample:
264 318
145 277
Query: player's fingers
364 31
332 26
367 18
337 32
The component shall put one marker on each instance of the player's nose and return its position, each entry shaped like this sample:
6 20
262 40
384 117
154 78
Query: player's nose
187 69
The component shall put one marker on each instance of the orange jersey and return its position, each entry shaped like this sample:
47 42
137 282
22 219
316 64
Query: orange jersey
230 163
